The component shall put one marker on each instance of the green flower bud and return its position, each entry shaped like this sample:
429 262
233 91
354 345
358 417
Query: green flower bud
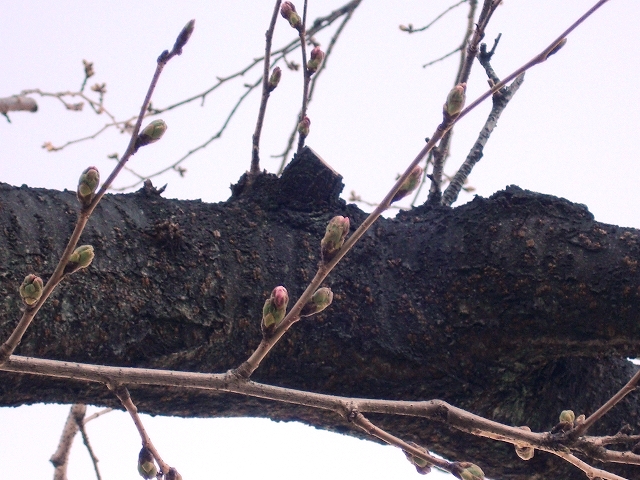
316 59
31 289
456 99
468 471
80 258
274 79
275 308
146 465
567 416
150 134
336 232
183 37
173 475
525 453
422 466
288 11
320 300
409 185
303 126
87 185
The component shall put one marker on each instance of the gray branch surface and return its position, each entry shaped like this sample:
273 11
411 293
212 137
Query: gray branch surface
513 307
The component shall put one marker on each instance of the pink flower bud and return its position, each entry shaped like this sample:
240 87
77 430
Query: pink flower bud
303 126
274 309
274 79
288 11
409 185
316 59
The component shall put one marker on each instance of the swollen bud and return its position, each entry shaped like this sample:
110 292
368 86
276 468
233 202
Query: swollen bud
150 134
317 57
334 236
468 471
409 185
567 416
422 466
146 465
525 453
274 308
288 11
303 126
80 258
173 475
31 289
87 185
455 100
183 37
320 300
274 79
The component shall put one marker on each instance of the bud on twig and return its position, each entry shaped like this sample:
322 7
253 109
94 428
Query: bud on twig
173 475
288 11
303 126
319 301
455 100
336 232
422 466
525 453
80 258
31 289
274 79
150 134
146 465
468 471
274 308
87 185
409 185
183 37
316 59
567 416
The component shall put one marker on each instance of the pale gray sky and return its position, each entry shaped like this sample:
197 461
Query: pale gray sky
570 131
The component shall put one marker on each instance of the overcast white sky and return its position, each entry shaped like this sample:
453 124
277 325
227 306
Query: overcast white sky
570 131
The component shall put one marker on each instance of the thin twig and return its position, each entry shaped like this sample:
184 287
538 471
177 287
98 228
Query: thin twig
85 440
445 56
266 90
410 29
60 459
306 75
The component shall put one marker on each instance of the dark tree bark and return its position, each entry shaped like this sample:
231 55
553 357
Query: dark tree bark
513 307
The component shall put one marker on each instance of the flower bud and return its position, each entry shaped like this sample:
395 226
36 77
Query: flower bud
173 475
275 308
80 258
317 57
31 289
319 301
303 126
525 453
409 185
456 99
468 471
151 133
146 465
288 11
567 416
422 466
334 236
87 185
274 79
183 37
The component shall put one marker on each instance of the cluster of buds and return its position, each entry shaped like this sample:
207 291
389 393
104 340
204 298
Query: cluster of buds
288 11
409 185
524 452
80 258
303 126
146 465
150 134
183 37
422 466
319 301
315 60
274 309
274 79
455 100
336 232
31 289
467 471
87 185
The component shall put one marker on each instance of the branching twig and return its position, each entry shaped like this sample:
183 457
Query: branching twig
409 28
60 459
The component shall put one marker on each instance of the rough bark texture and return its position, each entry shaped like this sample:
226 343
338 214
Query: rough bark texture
513 307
